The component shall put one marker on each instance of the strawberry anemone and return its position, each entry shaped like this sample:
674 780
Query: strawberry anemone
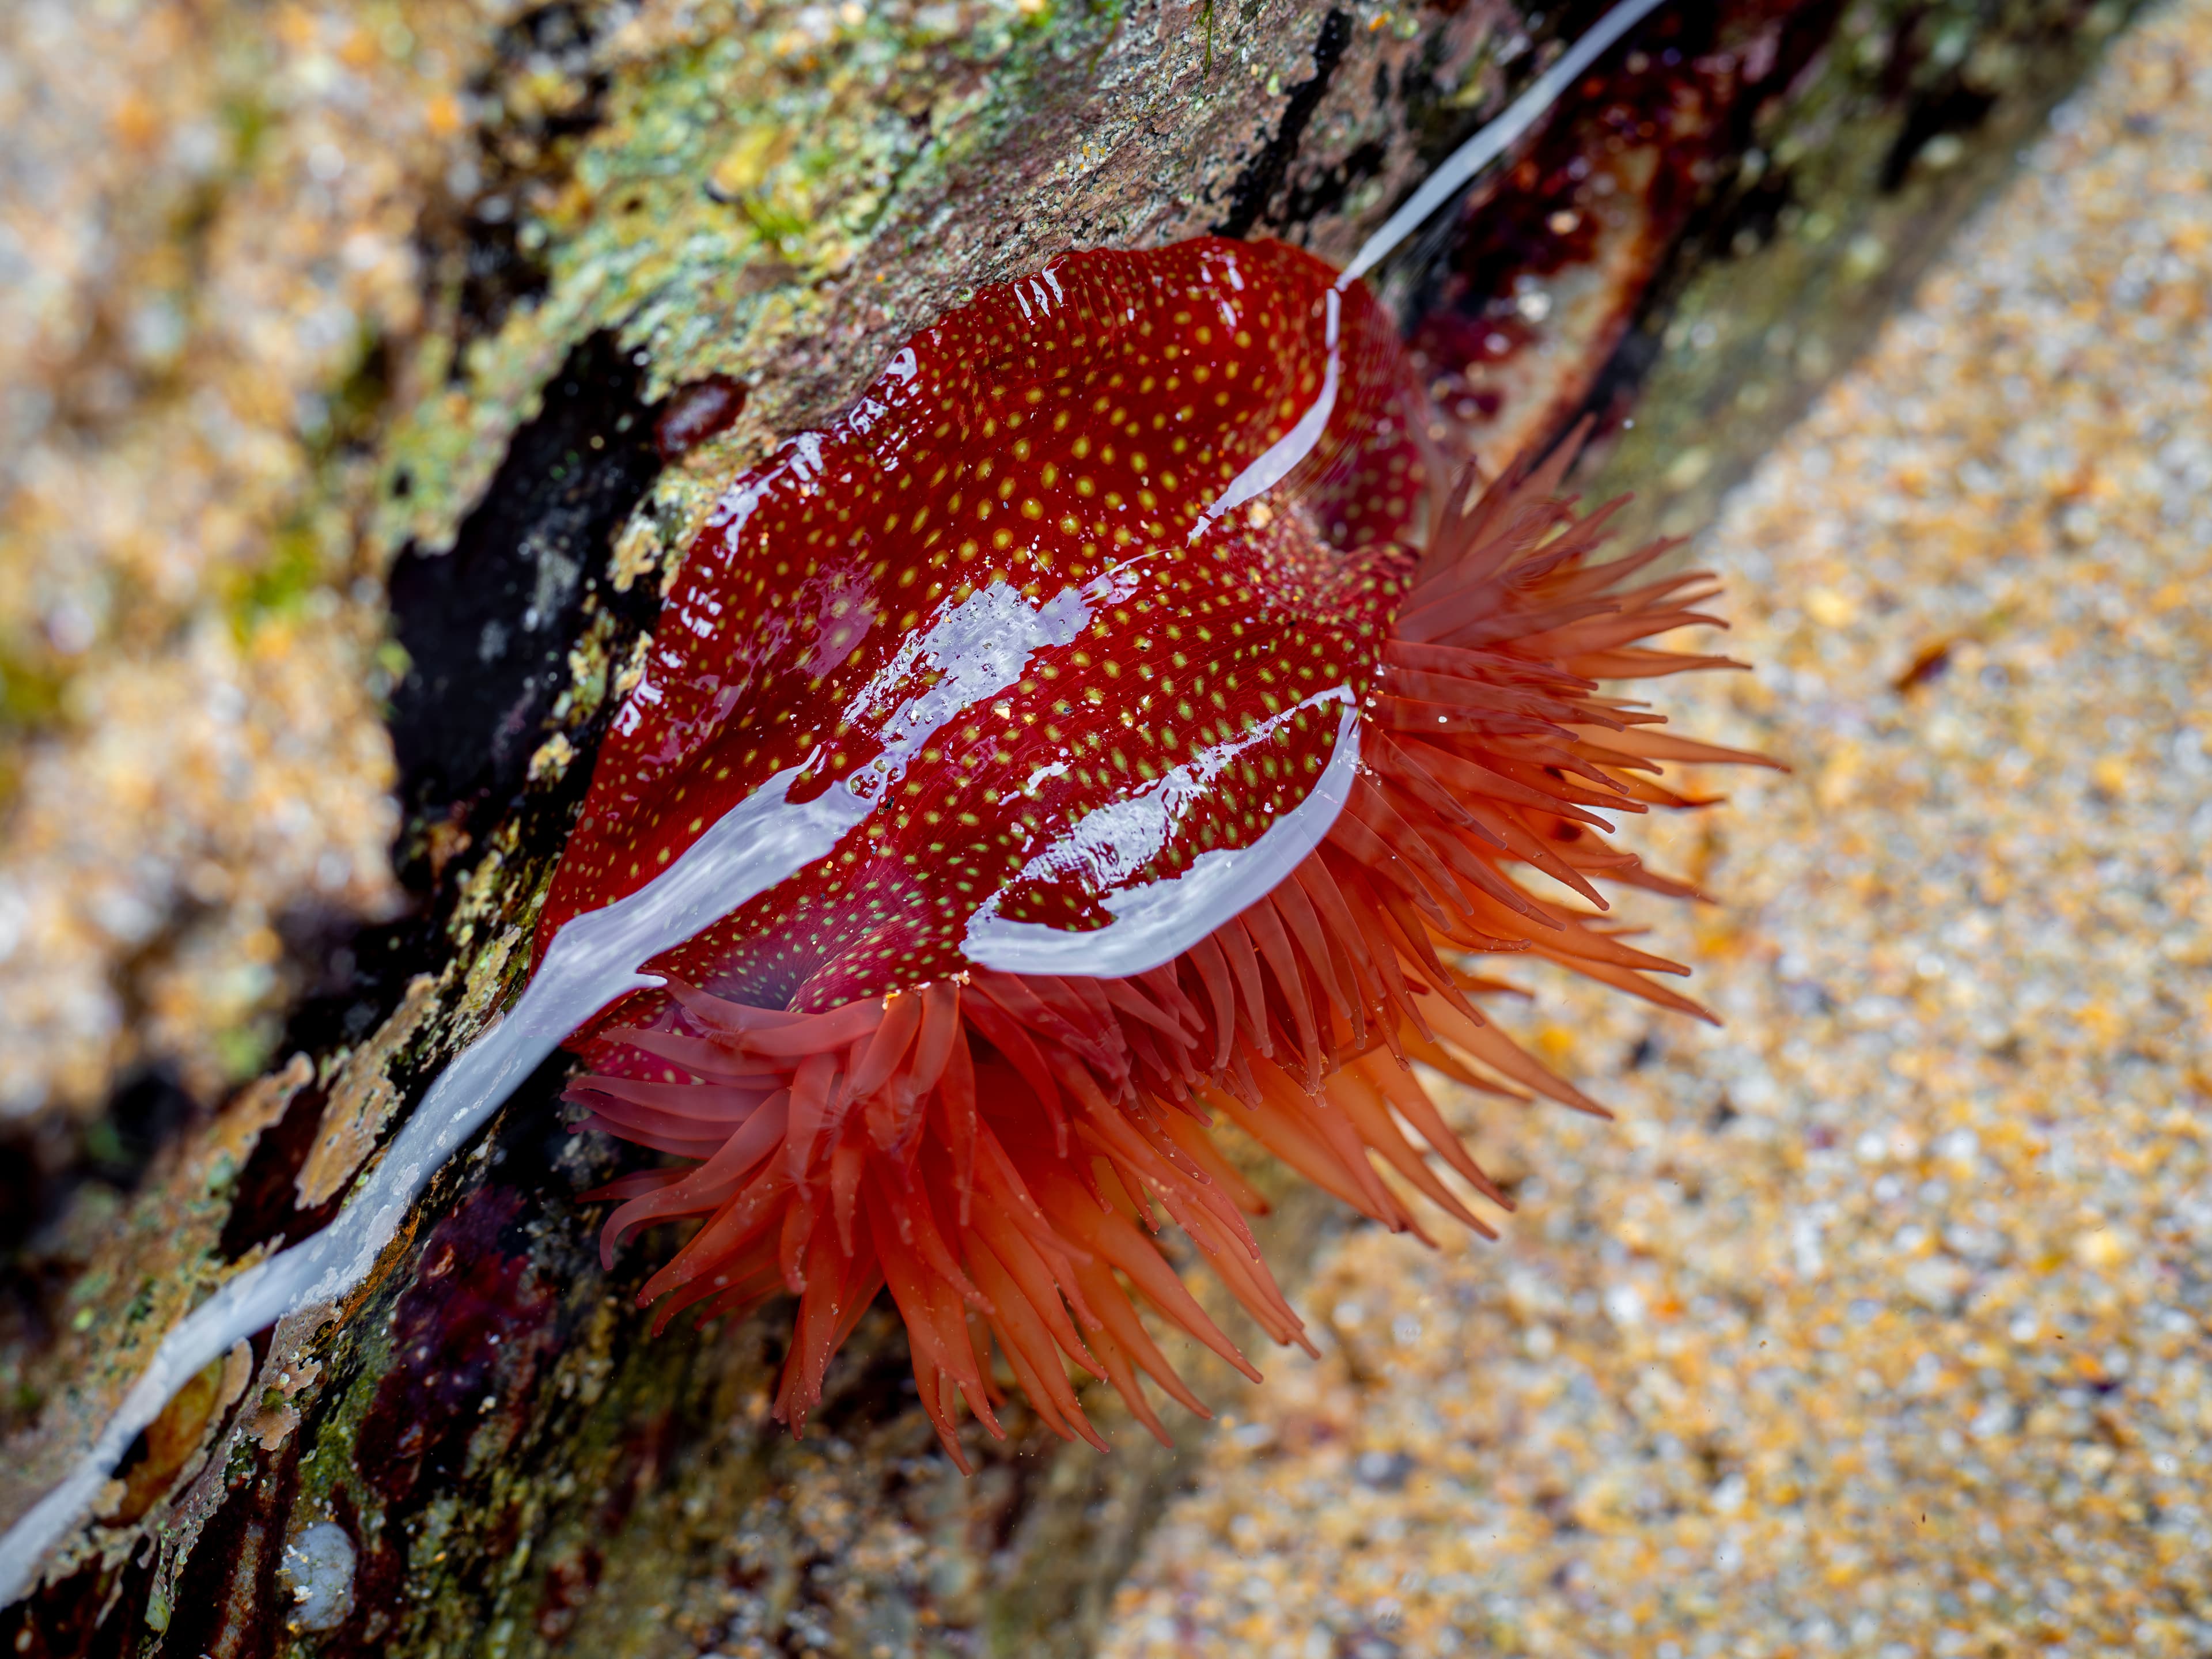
1182 745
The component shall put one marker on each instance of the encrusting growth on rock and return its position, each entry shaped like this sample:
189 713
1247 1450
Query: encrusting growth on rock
869 1100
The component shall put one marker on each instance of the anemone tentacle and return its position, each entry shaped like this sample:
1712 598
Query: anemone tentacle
1002 1150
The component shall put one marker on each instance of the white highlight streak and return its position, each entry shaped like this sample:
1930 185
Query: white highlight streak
980 647
1157 922
1279 459
591 961
1493 140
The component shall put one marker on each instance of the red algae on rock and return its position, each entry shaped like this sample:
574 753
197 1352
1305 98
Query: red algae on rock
1186 738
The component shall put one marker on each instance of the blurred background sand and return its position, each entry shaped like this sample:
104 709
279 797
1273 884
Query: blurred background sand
208 215
1877 1324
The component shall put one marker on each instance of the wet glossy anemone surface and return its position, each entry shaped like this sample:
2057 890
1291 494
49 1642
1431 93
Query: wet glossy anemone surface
1183 742
991 599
